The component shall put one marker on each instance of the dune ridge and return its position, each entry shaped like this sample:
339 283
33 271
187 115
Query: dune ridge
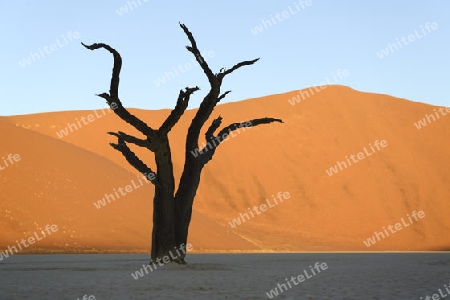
58 179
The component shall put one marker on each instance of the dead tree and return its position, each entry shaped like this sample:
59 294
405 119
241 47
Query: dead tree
172 209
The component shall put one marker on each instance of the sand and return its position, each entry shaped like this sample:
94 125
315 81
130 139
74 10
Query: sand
226 276
57 179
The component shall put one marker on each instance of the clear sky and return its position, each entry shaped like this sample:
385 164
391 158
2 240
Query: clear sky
300 44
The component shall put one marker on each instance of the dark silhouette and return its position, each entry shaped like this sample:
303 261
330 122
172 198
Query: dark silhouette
172 210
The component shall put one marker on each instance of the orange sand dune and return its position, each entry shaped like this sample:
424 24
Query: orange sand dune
323 213
57 183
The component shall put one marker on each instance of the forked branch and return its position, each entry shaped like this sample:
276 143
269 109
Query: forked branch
180 108
194 50
225 72
215 141
113 97
133 160
130 139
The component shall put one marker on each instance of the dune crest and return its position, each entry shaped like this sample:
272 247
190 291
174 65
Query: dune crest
58 179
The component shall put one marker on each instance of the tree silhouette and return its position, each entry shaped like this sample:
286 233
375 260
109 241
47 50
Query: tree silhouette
172 209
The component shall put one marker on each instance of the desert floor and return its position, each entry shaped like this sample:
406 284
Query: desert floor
226 276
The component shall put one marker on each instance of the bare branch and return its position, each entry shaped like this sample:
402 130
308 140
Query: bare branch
214 125
215 141
251 123
133 160
222 74
194 50
130 139
223 96
112 99
114 88
180 108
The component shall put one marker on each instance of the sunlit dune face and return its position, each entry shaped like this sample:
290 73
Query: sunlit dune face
58 179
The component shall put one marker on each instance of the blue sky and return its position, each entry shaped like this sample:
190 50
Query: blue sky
301 47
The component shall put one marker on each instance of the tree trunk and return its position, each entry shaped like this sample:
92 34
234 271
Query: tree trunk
163 235
184 199
172 212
